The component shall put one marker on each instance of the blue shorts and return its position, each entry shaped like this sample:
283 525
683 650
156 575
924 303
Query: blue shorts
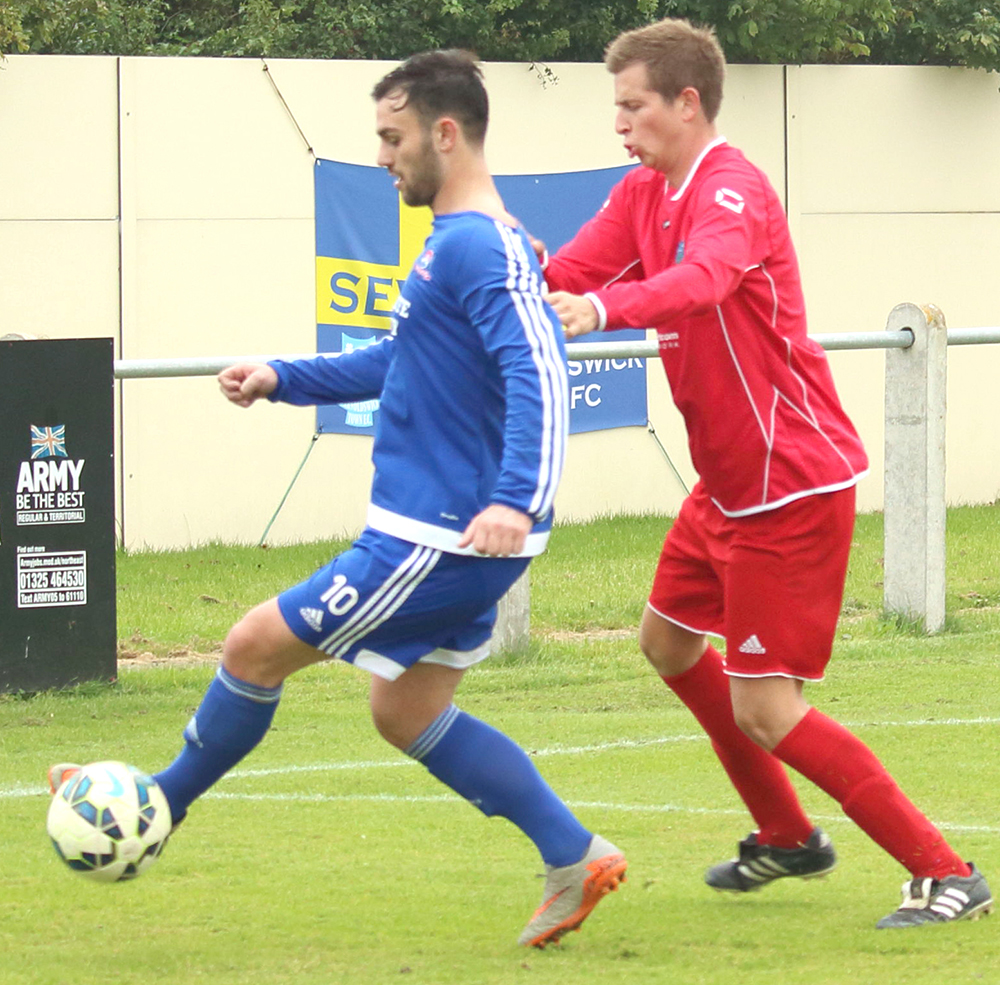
387 604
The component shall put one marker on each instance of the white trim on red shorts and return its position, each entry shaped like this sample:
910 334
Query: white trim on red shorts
677 622
760 677
790 498
729 673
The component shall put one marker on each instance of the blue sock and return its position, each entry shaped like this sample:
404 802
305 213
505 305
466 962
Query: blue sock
495 774
231 719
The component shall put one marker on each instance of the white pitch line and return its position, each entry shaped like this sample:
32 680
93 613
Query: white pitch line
18 791
34 791
371 764
318 798
382 763
598 747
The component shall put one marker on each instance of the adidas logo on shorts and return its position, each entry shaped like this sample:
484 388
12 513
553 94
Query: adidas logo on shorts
752 645
314 617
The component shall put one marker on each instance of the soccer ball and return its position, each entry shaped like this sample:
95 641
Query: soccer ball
109 821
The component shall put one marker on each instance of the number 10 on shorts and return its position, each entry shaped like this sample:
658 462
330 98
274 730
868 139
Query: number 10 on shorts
340 597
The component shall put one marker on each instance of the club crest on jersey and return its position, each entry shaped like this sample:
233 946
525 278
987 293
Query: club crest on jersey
731 200
422 268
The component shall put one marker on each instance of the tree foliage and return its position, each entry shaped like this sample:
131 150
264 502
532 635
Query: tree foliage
942 32
948 32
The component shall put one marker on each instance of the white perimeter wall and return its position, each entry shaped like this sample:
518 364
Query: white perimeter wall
167 203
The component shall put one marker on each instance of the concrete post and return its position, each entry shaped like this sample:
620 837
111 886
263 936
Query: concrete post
512 630
915 403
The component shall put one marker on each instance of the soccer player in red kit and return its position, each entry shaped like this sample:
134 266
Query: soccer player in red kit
695 244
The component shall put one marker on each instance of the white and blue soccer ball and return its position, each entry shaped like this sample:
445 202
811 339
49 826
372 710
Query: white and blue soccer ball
109 821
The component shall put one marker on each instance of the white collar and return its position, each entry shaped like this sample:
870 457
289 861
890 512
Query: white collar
694 167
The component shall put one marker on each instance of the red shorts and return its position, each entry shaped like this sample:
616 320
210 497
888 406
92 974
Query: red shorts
771 583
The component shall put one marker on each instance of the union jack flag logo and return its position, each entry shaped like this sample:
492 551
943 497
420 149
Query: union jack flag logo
48 442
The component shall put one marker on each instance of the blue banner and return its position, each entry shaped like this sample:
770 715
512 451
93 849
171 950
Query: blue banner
367 241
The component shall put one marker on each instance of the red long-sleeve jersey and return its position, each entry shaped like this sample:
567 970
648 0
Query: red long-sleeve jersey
712 268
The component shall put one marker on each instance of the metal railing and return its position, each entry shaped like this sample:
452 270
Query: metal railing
916 341
132 369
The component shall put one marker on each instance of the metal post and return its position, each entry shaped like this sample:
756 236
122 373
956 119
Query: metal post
513 625
915 402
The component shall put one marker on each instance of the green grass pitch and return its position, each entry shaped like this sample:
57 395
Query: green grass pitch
327 857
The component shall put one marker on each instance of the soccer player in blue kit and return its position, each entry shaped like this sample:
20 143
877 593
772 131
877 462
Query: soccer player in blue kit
467 454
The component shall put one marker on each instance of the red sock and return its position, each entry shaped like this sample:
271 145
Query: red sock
840 764
759 778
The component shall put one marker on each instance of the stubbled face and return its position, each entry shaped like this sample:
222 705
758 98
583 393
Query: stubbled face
650 126
407 151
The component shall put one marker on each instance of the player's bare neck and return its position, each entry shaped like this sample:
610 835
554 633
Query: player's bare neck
472 191
693 147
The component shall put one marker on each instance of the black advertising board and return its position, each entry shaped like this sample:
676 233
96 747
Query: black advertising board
57 513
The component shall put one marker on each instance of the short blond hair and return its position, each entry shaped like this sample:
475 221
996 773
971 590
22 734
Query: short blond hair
676 55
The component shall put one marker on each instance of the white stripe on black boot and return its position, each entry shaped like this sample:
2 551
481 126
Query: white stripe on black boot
941 901
758 865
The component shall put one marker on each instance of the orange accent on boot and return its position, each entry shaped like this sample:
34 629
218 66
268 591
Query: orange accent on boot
59 774
605 876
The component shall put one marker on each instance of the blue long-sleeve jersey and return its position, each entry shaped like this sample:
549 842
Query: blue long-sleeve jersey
473 388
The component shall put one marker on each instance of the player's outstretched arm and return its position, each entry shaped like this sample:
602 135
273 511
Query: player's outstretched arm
245 383
498 531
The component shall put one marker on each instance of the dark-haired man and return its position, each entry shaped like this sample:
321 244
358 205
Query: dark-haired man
468 453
